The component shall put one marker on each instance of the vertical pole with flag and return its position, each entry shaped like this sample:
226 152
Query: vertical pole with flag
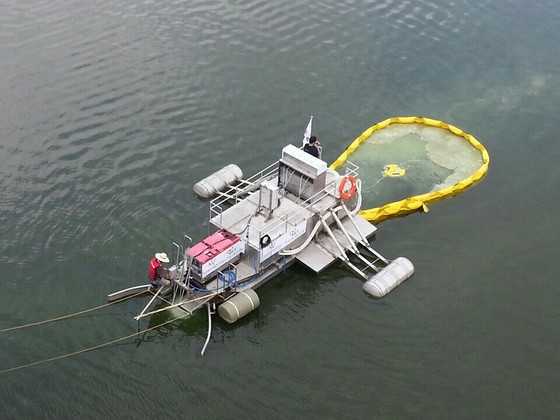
307 133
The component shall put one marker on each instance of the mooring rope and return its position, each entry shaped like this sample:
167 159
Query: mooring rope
46 321
376 182
108 343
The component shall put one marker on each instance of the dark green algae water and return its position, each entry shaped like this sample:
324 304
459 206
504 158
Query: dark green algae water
111 111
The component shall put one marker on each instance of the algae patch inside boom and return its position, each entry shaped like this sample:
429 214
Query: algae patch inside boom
432 158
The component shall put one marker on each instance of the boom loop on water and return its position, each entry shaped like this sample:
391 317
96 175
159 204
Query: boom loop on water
417 202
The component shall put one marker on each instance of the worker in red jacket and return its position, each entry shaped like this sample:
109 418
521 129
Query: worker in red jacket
157 273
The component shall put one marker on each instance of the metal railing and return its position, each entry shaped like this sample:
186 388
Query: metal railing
234 194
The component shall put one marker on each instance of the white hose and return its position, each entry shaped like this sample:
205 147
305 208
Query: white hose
209 329
318 224
359 200
307 241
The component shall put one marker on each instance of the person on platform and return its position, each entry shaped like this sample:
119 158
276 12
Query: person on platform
312 147
157 273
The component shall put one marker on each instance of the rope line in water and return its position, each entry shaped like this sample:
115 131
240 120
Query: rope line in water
60 318
63 356
376 182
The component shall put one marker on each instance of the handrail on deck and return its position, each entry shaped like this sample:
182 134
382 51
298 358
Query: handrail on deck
224 200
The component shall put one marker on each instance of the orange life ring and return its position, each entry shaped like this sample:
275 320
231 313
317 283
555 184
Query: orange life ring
347 193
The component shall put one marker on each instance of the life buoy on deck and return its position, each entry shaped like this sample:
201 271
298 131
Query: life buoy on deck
346 193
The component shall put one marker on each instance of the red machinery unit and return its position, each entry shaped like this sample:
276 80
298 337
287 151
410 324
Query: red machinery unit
214 253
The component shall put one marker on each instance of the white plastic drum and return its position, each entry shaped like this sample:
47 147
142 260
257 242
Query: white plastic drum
239 306
218 181
389 277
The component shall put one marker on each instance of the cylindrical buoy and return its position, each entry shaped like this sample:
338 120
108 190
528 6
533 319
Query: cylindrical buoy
239 305
389 277
218 181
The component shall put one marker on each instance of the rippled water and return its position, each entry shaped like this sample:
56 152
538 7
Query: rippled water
111 110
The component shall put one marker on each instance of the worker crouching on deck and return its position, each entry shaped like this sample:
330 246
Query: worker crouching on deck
157 273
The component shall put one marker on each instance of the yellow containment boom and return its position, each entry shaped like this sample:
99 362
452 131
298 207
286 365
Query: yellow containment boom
417 202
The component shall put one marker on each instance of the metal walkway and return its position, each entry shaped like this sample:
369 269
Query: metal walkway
345 240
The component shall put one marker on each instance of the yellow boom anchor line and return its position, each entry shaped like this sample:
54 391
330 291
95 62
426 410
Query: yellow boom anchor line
417 202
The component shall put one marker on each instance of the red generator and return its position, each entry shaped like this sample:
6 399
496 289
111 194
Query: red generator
214 253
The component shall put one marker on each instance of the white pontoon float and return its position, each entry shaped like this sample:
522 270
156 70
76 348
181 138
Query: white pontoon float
297 209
